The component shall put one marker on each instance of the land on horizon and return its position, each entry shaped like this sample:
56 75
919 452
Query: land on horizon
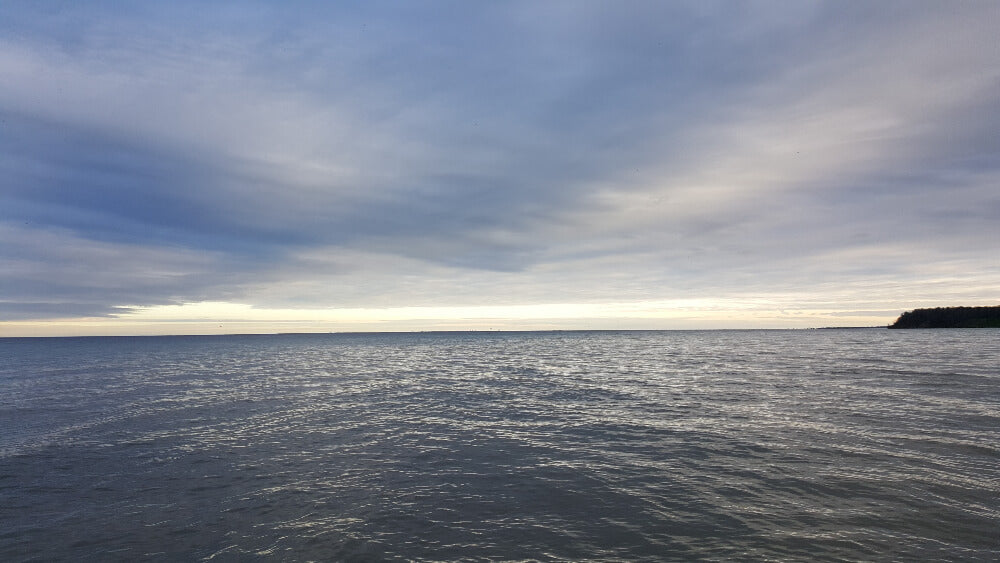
950 317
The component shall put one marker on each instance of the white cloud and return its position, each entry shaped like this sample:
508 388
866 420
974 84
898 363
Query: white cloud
563 163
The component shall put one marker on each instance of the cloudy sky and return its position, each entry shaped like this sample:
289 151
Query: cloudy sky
261 167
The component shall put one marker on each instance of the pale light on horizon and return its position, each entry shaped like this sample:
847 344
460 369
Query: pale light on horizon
232 318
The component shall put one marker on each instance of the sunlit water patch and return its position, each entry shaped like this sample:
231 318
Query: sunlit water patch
801 445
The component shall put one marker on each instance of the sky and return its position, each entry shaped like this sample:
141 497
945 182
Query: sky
193 167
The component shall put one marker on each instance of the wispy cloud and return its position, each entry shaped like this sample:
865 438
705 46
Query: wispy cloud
514 154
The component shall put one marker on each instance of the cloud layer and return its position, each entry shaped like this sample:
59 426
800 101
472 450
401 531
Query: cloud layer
439 154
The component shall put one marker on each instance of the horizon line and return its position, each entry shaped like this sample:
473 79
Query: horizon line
431 331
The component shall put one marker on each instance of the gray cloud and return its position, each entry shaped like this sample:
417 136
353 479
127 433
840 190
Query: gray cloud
386 155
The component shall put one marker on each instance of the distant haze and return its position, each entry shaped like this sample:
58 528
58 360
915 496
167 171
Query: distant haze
199 167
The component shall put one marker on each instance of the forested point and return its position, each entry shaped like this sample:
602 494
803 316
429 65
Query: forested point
950 317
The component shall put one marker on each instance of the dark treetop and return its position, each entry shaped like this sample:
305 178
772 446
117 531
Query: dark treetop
949 317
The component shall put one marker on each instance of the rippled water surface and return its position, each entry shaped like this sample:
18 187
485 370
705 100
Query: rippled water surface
792 445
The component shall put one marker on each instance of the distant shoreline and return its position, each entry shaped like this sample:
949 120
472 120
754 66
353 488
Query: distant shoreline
950 317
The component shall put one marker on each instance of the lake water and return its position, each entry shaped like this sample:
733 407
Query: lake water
816 445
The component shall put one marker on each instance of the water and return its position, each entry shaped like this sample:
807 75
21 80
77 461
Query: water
748 445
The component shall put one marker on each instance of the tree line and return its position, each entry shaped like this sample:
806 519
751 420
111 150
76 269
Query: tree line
950 317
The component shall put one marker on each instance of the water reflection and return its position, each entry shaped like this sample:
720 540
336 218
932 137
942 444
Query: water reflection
758 444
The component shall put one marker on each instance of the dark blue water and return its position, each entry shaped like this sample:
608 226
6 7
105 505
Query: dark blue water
748 445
